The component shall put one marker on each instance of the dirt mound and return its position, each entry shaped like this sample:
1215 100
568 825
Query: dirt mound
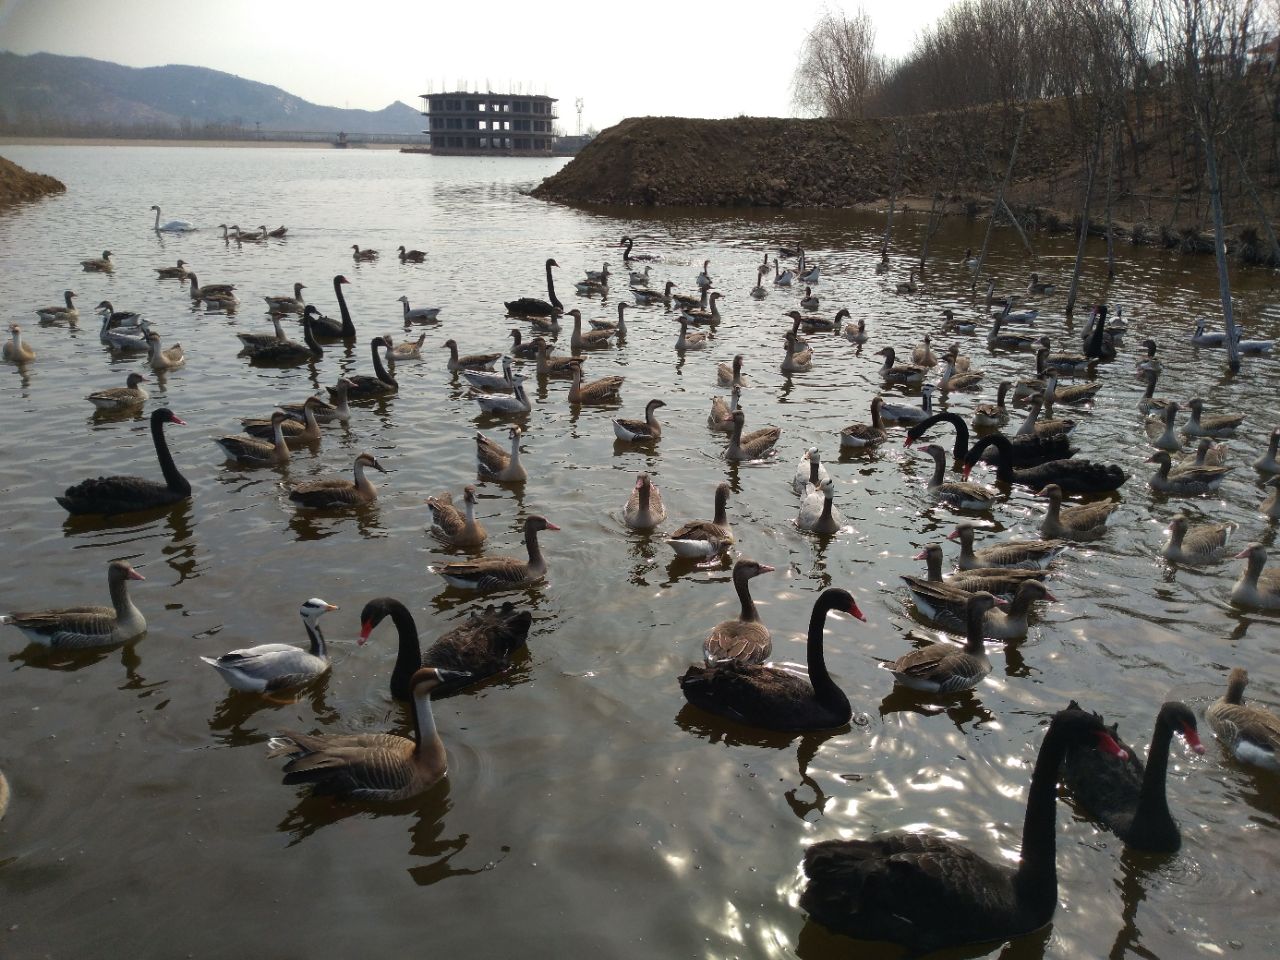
18 185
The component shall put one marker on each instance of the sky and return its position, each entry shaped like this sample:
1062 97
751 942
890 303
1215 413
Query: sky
706 58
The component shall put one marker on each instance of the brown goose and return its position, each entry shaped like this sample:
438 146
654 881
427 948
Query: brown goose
1224 425
1256 587
287 351
472 361
1084 522
15 349
756 445
1185 480
908 285
618 326
1267 463
324 412
1027 554
366 254
922 354
372 766
770 697
1210 454
404 350
479 647
862 436
795 360
525 351
745 638
951 380
208 290
1149 402
960 494
731 376
944 667
61 314
489 573
454 526
687 340
337 492
588 340
1049 427
254 341
1077 393
604 390
1000 581
411 256
363 387
494 463
1203 543
74 628
994 414
549 366
287 304
1270 507
258 453
648 430
644 509
295 434
121 398
708 315
101 264
925 893
721 417
1251 733
945 605
172 273
902 373
702 539
112 495
161 358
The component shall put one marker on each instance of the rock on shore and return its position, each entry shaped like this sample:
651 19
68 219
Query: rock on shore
18 185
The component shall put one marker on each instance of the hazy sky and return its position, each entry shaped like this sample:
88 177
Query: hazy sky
706 58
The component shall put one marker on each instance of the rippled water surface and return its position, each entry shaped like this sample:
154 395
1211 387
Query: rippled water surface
587 808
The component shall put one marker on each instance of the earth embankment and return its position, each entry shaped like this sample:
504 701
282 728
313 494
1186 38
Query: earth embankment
18 185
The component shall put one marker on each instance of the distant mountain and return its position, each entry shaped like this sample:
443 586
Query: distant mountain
45 90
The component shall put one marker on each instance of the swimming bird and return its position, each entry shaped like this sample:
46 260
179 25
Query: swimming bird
120 398
277 666
745 638
171 226
454 526
703 539
1256 588
125 494
489 573
644 509
63 313
944 667
1250 733
338 492
75 628
494 463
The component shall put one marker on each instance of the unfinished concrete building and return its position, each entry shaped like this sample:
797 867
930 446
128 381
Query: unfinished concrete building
490 124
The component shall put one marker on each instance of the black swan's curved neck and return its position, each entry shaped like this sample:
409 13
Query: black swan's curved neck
1099 318
409 656
962 431
309 337
348 328
1036 882
379 370
626 254
174 480
824 688
1004 462
1153 802
551 291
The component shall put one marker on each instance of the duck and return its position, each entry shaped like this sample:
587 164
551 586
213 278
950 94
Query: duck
757 445
216 291
549 366
461 529
525 351
1250 733
63 313
1267 463
731 375
171 226
1270 507
277 666
944 667
494 463
808 301
817 510
101 264
1185 480
1084 522
987 415
479 647
745 638
472 361
908 285
617 327
899 413
284 351
796 361
327 327
1224 425
505 403
1024 554
924 892
490 573
687 340
296 433
1036 286
1199 544
648 430
969 261
1127 796
604 390
1000 581
1073 475
856 334
963 496
410 256
1149 402
721 417
1025 450
812 324
644 509
587 340
163 358
863 436
532 306
1203 337
1256 588
287 304
258 453
81 627
15 349
705 316
1168 438
950 380
372 766
366 254
902 373
769 697
125 494
1075 394
363 386
922 354
810 474
121 398
335 492
703 539
404 350
418 314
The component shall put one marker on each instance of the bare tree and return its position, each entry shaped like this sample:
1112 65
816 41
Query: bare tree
839 70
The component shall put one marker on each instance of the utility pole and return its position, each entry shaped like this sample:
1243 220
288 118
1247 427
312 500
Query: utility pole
578 104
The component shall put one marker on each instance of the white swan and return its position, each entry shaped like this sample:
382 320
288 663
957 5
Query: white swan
173 226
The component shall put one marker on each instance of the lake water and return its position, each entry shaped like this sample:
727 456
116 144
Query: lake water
587 811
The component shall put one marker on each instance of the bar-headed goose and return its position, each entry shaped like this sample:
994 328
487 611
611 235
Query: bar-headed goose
277 666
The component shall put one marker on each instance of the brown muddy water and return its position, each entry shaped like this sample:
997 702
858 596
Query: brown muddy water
587 809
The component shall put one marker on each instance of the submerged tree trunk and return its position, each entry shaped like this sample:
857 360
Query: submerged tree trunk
1084 222
1220 251
995 207
1111 179
930 228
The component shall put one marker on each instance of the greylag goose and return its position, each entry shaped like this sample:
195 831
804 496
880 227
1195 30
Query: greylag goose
604 390
721 417
1224 425
1203 337
922 355
1267 463
338 492
704 316
277 666
1256 588
525 351
782 278
882 265
1026 450
479 647
599 276
489 573
284 352
1075 394
1026 554
410 256
471 361
944 667
702 539
856 334
372 766
813 324
494 463
1167 438
1150 363
988 415
1035 286
617 327
996 340
924 892
1202 543
653 296
533 307
113 495
862 436
639 278
962 364
648 430
908 285
964 496
162 358
1084 522
1070 364
731 375
363 387
1210 454
1251 734
549 366
15 349
945 605
296 433
756 445
455 526
61 314
589 339
254 341
1072 476
644 509
1149 402
199 292
899 413
287 304
950 380
810 473
951 324
817 510
1185 480
902 373
405 349
258 453
101 264
1127 796
808 301
769 697
363 255
1270 507
687 340
74 628
324 412
1001 581
796 361
121 398
1018 316
171 226
418 314
744 638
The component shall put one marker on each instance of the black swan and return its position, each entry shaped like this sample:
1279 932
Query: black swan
1071 476
925 893
1027 450
111 495
329 328
772 698
363 386
533 307
1127 797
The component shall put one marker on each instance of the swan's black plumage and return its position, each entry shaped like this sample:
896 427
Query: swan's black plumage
121 494
1026 451
1073 476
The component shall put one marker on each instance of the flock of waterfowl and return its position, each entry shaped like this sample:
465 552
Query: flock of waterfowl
914 889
